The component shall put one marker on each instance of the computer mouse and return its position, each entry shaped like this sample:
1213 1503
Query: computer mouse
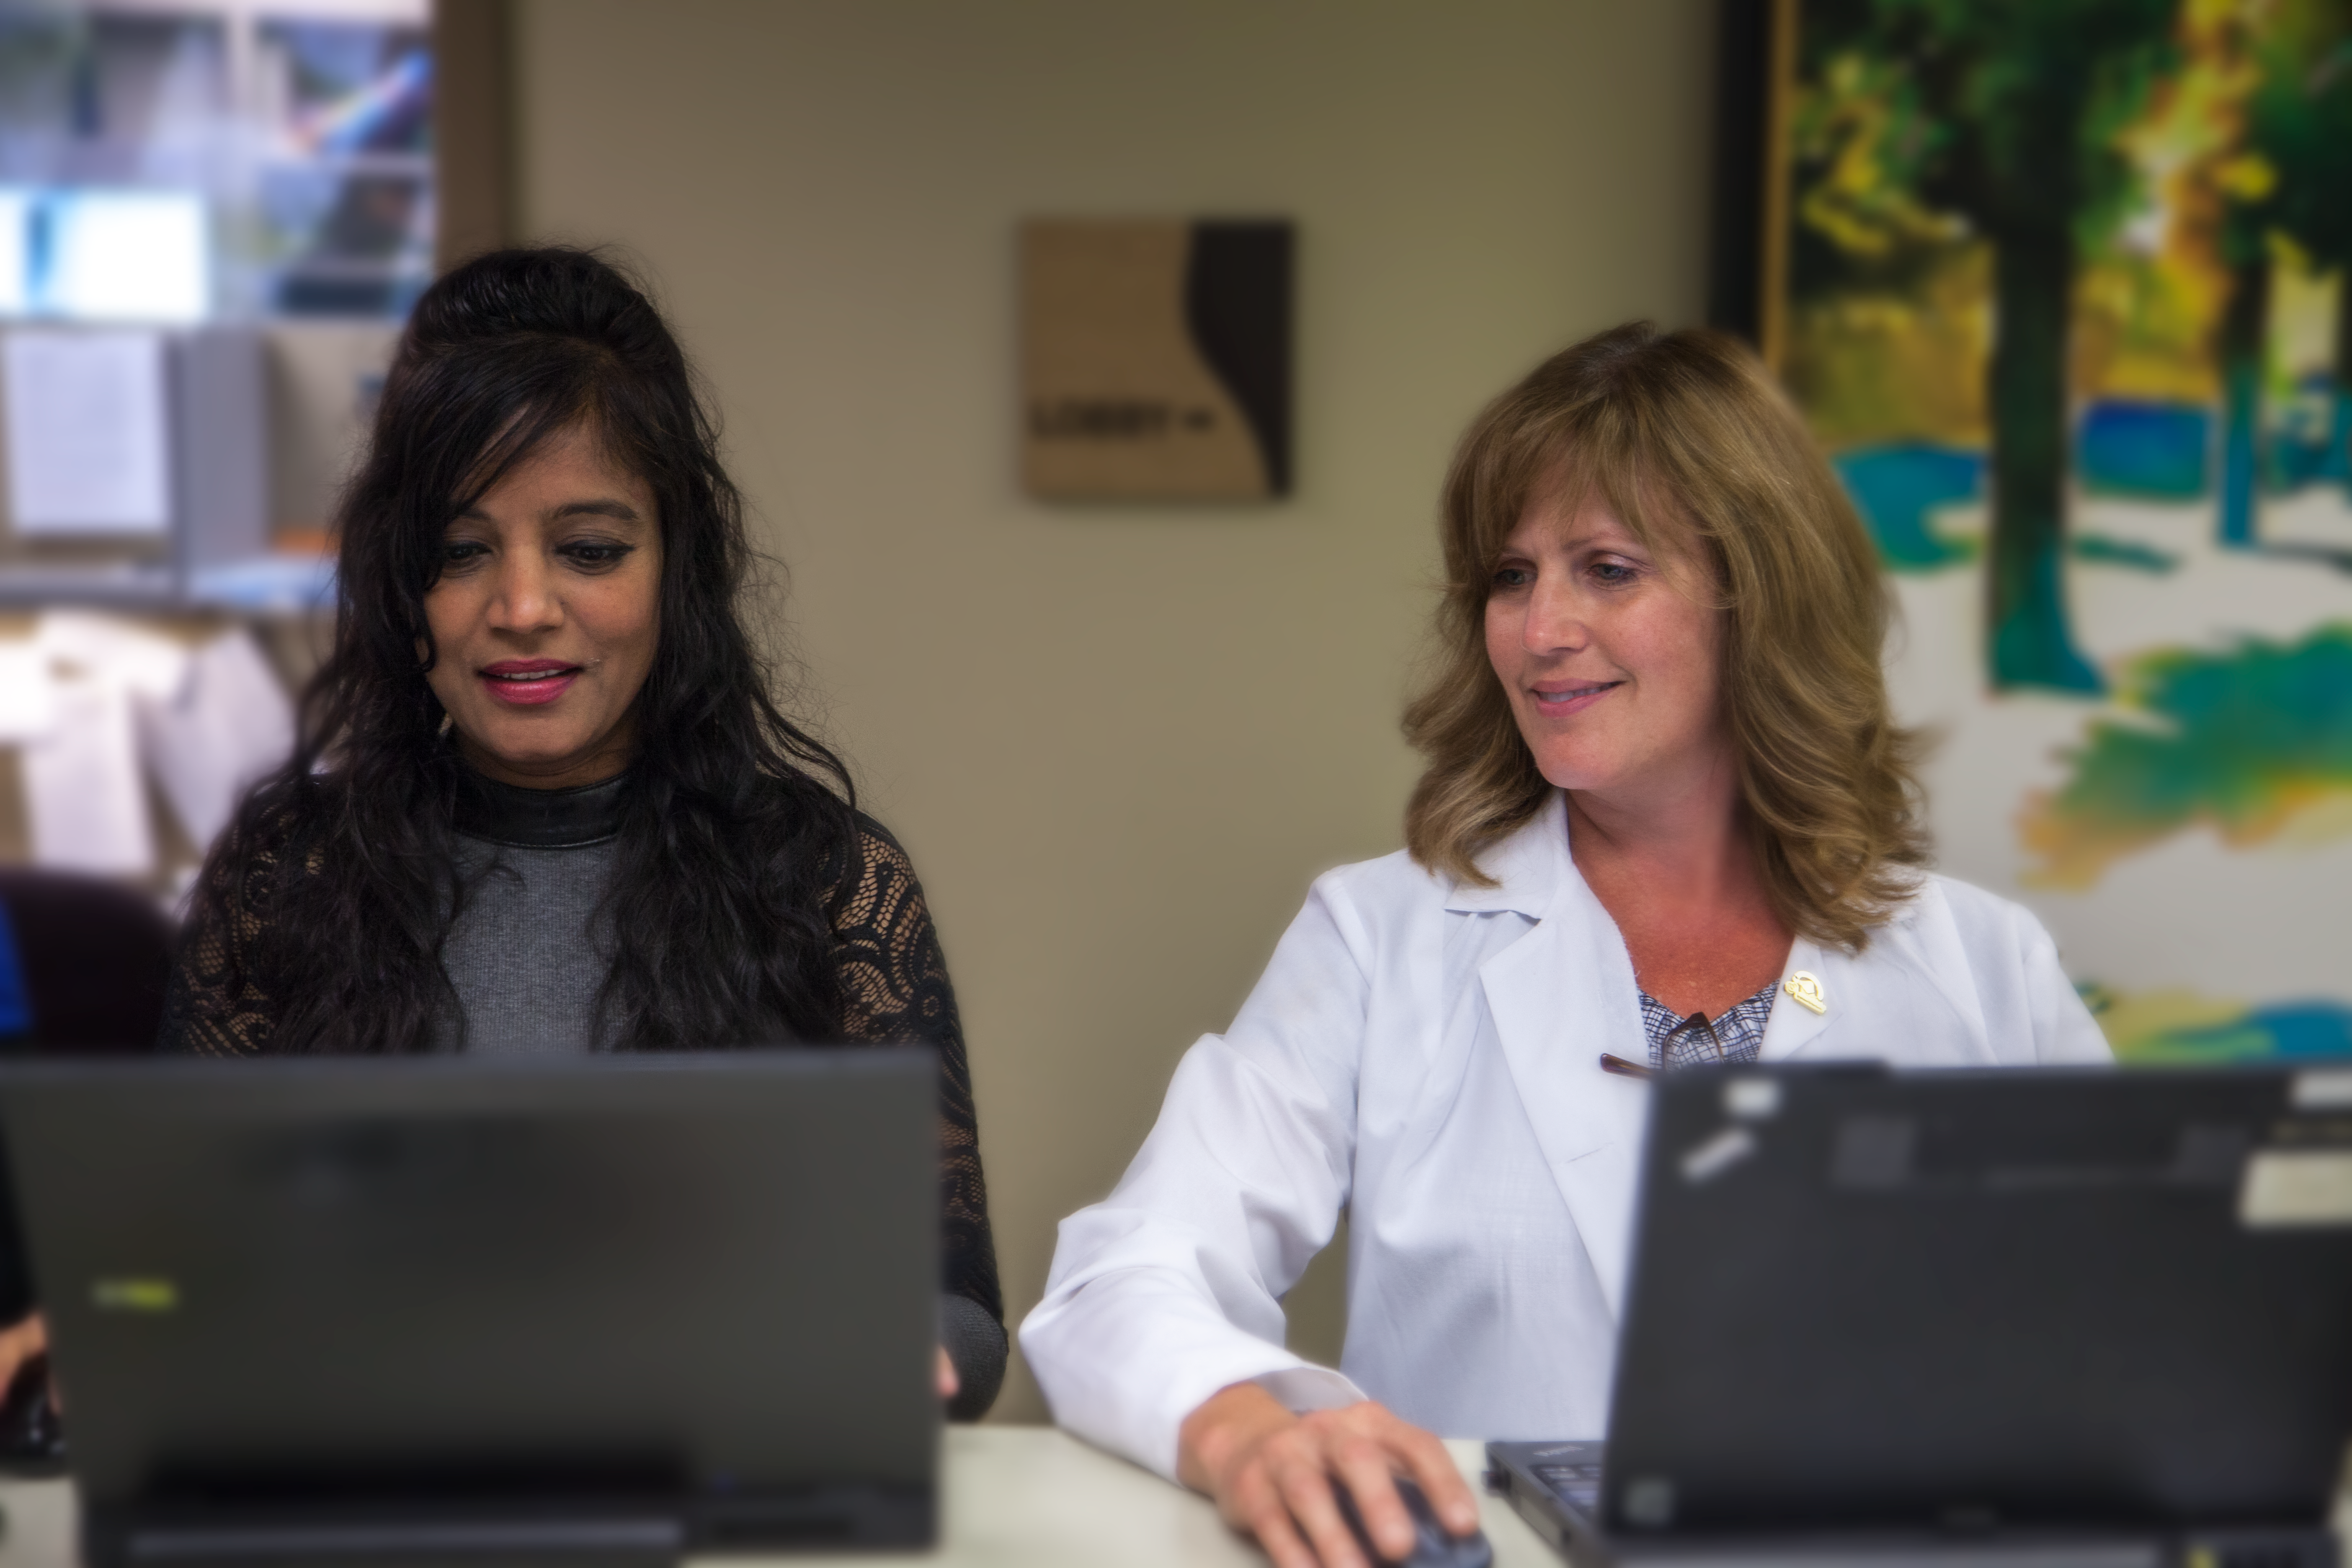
1433 1547
32 1436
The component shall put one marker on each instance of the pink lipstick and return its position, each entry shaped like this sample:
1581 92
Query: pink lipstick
1558 698
527 682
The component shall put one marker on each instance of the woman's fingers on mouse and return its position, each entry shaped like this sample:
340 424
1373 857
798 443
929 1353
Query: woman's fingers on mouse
943 1375
1441 1481
1366 1468
1279 1539
1250 1500
1259 1502
1306 1485
1279 1477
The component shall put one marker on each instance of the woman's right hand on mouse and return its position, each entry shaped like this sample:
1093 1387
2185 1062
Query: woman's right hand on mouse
1271 1474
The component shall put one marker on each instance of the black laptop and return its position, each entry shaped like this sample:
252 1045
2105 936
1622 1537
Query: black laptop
615 1309
2065 1319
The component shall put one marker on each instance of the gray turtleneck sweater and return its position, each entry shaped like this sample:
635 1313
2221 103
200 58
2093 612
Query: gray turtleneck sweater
522 955
527 957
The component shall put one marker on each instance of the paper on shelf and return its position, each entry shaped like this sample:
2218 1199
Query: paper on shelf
28 693
88 438
83 793
231 725
111 650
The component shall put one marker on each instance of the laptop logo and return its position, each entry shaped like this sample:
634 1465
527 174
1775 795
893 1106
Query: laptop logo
1717 1154
135 1294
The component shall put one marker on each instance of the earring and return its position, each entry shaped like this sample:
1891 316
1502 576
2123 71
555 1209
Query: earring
448 720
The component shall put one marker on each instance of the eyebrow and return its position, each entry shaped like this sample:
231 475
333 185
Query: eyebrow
619 510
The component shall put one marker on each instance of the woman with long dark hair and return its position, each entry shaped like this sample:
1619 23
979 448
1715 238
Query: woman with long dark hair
544 803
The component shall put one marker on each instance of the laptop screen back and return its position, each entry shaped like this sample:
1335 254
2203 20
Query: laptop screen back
713 1275
1990 1298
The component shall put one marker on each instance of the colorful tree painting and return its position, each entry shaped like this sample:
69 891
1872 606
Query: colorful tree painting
2065 299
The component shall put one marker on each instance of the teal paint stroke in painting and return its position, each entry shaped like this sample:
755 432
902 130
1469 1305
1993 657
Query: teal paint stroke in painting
2106 551
2146 451
2296 1030
2242 740
1895 488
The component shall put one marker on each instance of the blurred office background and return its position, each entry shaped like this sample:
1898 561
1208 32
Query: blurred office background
1120 740
213 218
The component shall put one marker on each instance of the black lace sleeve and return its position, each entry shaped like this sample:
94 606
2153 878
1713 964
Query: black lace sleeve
894 990
214 1006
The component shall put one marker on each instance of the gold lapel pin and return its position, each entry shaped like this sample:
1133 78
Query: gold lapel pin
1807 991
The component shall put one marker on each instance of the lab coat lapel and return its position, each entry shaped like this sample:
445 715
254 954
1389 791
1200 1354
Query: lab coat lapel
1561 997
1793 1026
1865 995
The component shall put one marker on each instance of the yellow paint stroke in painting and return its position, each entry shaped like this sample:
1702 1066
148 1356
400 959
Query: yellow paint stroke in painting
2325 816
2075 851
2304 298
2072 856
1902 358
1848 122
2140 1023
2247 177
2146 306
1887 366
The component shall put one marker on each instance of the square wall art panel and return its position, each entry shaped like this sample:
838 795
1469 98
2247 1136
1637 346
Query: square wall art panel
1155 360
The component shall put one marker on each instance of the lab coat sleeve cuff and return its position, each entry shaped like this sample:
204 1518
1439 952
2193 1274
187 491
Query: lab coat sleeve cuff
1152 1440
1124 1360
1304 1388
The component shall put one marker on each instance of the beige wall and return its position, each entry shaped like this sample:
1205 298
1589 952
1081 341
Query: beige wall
1118 742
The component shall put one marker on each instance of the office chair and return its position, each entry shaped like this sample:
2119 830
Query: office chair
92 958
83 964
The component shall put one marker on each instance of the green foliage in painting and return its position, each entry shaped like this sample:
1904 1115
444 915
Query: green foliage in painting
2246 740
2006 114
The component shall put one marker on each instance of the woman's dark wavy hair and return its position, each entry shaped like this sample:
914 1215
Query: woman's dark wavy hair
737 828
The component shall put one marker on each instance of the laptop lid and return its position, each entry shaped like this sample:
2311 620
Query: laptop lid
710 1281
1987 1299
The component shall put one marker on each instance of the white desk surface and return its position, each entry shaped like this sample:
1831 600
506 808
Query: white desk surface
1017 1496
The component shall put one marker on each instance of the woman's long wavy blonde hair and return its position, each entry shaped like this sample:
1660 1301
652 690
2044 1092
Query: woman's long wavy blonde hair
1685 433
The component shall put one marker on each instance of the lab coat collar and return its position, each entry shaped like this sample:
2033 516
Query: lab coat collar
1529 865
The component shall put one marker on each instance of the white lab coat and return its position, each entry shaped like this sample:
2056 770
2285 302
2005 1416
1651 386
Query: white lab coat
1425 1056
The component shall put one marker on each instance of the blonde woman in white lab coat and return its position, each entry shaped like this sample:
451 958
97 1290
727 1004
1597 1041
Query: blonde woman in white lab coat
1667 817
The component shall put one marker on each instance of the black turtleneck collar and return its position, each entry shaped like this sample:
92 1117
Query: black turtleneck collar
521 818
